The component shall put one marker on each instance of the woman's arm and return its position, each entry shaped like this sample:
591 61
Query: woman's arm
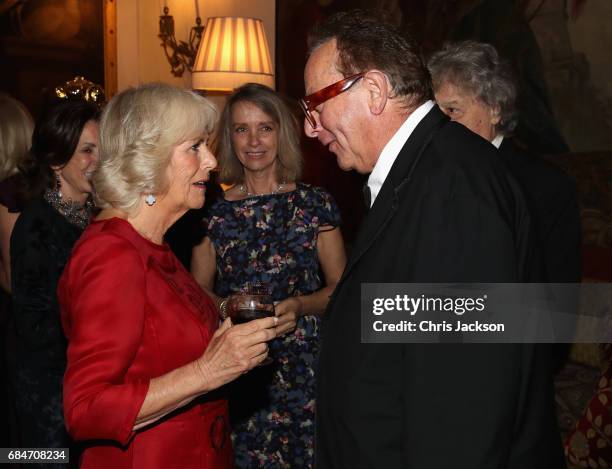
204 267
332 257
35 275
103 297
7 222
231 352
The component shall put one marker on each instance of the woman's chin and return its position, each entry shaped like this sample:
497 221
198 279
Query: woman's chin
196 204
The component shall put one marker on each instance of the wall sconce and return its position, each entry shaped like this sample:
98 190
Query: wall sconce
233 51
182 54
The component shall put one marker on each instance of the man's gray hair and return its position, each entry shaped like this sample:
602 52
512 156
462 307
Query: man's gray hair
477 69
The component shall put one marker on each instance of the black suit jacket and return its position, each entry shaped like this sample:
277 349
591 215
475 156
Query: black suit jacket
553 205
447 212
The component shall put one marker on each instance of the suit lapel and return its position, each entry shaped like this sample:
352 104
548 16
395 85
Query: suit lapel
373 224
398 179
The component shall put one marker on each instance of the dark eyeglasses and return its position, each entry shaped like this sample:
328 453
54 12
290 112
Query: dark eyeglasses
310 102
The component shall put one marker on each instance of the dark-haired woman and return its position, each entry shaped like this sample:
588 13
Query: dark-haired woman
57 173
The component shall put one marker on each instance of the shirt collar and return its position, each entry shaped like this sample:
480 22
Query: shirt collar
497 141
393 147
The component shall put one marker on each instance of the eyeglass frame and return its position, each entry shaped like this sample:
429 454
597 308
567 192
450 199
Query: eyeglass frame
310 102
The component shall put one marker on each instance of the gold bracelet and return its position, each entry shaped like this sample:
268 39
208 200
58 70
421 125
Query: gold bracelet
223 309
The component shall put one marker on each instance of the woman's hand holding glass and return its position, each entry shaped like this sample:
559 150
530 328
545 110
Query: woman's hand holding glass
254 302
234 350
287 311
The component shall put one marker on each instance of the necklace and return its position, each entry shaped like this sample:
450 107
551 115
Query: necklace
74 212
242 188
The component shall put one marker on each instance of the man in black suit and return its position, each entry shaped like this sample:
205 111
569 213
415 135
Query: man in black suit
442 209
475 87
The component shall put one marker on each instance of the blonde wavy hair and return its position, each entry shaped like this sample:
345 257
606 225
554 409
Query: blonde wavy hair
138 131
16 128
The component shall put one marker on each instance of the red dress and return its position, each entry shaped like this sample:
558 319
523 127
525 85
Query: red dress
131 312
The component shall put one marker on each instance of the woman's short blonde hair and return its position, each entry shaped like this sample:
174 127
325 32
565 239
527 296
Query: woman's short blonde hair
16 128
138 132
289 167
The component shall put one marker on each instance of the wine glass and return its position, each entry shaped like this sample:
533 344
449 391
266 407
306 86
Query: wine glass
254 302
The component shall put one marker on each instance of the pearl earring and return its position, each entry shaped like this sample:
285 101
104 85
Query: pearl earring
150 199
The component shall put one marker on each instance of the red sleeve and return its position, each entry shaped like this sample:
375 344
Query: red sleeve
102 295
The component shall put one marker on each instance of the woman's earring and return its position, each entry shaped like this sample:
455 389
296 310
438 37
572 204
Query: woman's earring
58 184
150 199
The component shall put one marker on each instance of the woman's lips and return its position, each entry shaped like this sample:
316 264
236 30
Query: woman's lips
255 154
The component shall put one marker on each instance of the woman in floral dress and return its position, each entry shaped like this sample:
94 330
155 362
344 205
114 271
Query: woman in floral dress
272 230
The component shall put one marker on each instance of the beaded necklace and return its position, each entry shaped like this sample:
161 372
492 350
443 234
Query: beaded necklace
76 214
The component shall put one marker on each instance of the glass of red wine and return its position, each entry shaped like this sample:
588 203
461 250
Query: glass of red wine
254 302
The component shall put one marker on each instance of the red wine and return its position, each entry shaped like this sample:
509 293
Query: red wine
241 316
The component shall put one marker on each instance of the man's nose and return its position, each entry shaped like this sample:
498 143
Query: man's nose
309 130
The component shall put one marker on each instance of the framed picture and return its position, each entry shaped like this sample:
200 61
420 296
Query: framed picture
44 43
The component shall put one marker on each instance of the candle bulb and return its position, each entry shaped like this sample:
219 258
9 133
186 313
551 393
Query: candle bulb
197 9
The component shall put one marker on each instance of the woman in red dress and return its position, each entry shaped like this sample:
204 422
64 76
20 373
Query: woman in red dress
144 360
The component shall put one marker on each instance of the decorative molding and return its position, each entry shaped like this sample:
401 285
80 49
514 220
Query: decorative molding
110 48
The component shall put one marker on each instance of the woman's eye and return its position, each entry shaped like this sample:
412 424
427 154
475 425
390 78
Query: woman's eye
196 146
267 129
239 129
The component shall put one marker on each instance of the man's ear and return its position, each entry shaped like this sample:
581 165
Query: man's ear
379 89
495 115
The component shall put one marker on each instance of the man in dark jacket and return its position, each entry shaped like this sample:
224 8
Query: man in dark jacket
475 87
442 209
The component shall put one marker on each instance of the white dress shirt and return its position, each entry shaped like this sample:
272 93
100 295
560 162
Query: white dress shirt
393 147
497 141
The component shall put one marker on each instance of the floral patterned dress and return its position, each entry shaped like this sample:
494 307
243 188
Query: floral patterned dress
272 239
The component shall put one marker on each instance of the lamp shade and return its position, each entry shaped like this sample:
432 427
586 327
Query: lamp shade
233 51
